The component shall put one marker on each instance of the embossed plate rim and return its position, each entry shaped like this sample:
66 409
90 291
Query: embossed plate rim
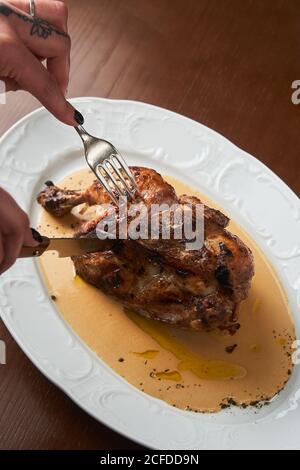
206 432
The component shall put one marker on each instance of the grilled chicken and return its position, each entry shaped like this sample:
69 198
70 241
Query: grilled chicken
200 289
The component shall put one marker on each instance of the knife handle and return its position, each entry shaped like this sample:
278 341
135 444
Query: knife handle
35 251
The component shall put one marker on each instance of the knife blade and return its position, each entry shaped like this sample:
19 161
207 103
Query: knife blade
65 247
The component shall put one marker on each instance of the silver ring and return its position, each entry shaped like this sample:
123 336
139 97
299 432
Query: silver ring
32 8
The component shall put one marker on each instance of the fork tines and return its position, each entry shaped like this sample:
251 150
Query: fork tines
117 178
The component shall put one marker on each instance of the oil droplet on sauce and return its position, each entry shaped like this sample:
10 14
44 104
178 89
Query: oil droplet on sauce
79 280
193 367
281 341
171 375
256 306
255 348
203 368
150 354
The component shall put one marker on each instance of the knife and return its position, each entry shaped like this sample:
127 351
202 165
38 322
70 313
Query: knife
65 247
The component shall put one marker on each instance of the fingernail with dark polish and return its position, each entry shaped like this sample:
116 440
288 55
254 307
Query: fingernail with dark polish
36 236
78 117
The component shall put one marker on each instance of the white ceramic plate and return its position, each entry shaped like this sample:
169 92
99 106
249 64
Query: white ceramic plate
39 148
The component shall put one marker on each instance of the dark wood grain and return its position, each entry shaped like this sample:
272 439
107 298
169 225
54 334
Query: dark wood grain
226 63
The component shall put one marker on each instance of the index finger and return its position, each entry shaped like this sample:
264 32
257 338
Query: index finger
32 76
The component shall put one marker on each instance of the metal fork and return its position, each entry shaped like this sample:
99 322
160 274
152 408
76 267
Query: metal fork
108 166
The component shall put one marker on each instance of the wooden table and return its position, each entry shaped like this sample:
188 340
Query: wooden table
226 63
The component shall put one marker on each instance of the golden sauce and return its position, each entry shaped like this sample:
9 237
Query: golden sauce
188 369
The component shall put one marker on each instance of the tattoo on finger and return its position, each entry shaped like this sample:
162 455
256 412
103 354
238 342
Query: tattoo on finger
39 27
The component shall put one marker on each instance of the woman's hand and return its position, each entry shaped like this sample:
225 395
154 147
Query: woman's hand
14 231
25 42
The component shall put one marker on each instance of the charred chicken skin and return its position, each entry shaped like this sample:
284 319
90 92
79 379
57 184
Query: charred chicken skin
200 289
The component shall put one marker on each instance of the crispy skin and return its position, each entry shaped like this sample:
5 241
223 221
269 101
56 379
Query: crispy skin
160 279
154 289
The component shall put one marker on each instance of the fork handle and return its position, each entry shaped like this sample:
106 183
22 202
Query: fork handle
85 137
